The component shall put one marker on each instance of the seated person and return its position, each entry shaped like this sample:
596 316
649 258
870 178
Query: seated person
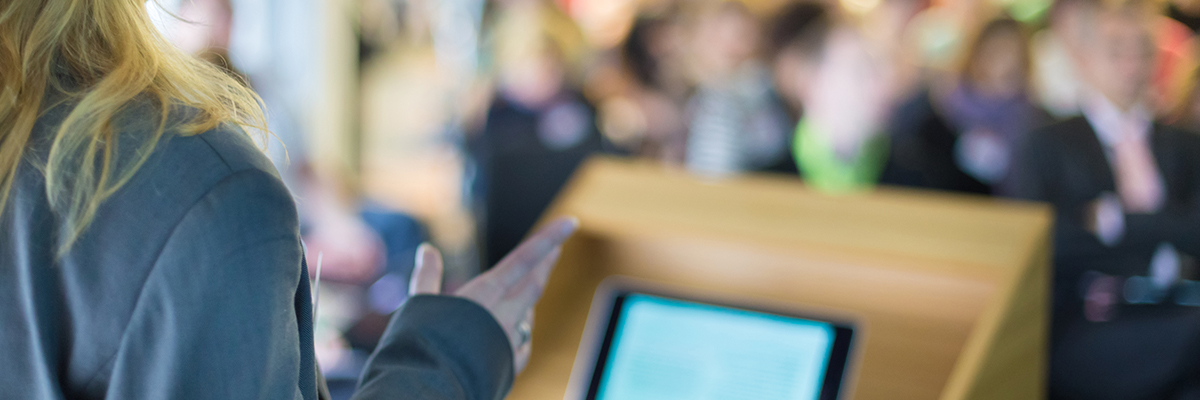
989 104
840 143
1125 191
649 107
539 127
733 126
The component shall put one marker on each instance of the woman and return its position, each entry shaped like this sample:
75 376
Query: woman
149 251
991 105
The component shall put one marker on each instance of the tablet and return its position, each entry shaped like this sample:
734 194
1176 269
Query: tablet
654 345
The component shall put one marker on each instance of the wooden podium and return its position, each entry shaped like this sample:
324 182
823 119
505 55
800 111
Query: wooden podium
951 291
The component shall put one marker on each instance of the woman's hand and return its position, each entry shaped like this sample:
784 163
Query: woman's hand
510 289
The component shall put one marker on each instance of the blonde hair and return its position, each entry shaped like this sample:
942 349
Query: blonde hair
99 57
529 30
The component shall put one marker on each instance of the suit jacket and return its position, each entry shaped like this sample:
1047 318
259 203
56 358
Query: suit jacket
1148 352
1064 164
190 283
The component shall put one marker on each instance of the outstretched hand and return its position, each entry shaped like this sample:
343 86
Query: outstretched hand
511 288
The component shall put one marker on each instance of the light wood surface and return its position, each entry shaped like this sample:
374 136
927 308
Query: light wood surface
950 291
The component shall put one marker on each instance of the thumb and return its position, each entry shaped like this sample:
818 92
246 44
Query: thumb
427 273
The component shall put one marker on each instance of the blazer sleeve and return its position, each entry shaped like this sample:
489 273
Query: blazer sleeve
439 348
216 317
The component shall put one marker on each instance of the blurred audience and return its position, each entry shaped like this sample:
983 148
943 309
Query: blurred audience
1127 194
1066 103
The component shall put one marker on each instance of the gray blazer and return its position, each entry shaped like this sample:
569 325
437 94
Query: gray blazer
191 284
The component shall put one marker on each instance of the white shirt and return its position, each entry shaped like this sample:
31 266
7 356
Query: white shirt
1107 121
1112 126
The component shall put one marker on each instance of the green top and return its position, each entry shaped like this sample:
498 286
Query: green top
825 171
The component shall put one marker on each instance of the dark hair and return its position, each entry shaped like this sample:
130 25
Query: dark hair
995 27
802 26
636 52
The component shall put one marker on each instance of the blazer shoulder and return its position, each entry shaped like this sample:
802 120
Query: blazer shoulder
227 144
183 169
174 171
237 149
202 160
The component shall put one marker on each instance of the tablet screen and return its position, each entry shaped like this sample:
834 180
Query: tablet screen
664 348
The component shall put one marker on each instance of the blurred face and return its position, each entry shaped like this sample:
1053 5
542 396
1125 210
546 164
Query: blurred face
535 79
848 98
725 39
794 72
665 41
1120 58
999 68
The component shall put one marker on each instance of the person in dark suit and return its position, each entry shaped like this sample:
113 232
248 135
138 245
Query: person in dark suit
148 250
1126 192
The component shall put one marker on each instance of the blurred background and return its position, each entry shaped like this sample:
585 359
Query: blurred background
457 121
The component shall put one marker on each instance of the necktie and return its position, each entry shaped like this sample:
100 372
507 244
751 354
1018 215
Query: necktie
1138 182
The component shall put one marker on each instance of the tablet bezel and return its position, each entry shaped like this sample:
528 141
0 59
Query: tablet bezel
605 316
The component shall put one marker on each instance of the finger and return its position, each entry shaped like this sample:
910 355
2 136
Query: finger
529 316
521 357
527 292
427 272
536 247
541 272
514 267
